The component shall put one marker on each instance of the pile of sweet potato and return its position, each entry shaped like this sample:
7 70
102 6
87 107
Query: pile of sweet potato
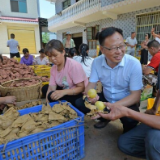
14 126
11 69
24 83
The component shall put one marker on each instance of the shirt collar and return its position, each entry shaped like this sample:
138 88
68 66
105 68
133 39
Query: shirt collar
104 63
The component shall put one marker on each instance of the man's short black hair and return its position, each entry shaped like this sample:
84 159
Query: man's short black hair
97 35
132 32
12 35
154 44
107 33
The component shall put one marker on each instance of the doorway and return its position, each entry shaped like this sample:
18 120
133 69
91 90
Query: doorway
77 37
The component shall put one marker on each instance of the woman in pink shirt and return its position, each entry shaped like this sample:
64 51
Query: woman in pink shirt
68 80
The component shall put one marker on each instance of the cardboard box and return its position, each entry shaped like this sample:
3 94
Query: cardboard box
147 92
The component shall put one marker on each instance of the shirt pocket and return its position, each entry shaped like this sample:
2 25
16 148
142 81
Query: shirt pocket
105 77
122 81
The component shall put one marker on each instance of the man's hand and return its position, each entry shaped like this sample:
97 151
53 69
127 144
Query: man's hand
58 94
9 100
151 111
116 112
91 100
152 30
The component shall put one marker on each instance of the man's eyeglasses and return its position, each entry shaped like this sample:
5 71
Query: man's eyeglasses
121 47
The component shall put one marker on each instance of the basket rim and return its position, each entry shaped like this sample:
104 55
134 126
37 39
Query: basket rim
40 81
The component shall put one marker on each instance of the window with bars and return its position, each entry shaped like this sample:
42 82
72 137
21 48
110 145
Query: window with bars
145 23
18 6
66 4
91 34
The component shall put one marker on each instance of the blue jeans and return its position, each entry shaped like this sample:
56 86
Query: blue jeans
142 142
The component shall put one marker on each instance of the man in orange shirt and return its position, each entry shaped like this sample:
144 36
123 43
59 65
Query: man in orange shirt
154 49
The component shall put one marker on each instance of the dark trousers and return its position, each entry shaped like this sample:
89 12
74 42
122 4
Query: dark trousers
128 123
142 142
14 54
70 98
144 57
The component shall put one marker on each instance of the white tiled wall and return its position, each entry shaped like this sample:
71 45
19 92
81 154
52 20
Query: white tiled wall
109 2
127 22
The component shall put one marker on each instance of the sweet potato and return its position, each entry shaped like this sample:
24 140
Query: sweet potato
11 69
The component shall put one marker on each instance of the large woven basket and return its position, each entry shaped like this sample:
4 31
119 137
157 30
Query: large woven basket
21 93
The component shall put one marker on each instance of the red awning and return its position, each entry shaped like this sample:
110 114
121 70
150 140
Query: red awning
20 19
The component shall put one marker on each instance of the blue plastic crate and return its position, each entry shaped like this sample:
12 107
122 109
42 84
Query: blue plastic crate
66 142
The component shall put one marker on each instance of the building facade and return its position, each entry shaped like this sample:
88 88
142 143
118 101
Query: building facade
86 17
21 18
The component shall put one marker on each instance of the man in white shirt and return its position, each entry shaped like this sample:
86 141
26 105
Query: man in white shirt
120 75
131 44
13 46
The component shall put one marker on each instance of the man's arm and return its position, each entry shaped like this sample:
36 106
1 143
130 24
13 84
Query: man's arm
93 77
117 112
73 43
7 44
147 70
18 47
150 120
129 44
154 34
133 98
90 86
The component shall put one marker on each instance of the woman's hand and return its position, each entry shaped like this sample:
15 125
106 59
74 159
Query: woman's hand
9 100
58 94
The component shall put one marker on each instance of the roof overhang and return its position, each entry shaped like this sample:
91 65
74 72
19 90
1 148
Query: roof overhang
52 0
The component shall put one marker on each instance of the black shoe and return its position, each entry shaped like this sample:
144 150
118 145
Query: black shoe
101 124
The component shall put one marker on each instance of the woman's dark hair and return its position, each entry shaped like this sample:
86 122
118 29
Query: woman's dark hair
54 44
1 58
83 48
41 50
108 32
72 51
149 35
25 50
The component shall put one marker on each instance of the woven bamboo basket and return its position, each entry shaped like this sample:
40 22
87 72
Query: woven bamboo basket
21 93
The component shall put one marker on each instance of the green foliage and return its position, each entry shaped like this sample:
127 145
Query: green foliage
45 37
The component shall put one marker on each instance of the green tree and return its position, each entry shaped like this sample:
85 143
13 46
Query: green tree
45 37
